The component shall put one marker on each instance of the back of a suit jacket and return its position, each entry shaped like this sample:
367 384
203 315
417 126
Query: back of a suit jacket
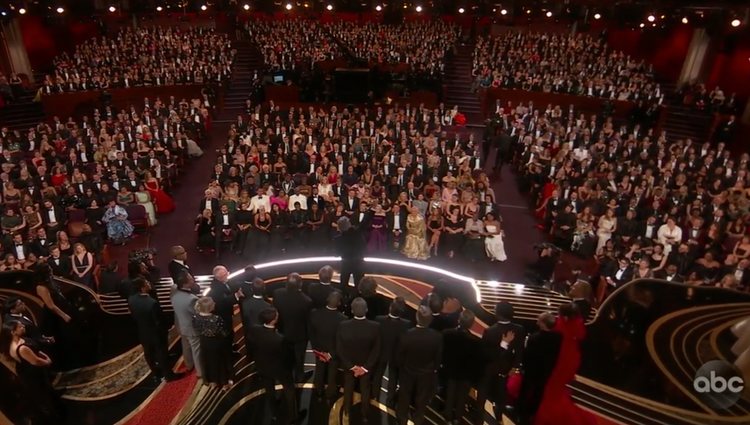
294 310
499 360
272 356
420 350
391 330
358 343
323 325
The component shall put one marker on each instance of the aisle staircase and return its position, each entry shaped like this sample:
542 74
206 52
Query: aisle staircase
247 60
23 114
457 85
683 121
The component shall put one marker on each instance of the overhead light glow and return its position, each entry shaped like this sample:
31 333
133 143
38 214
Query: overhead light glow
736 22
461 10
378 8
528 11
329 7
418 9
22 11
4 13
288 6
159 8
503 12
204 7
685 20
651 18
597 16
112 9
246 7
642 25
549 14
60 10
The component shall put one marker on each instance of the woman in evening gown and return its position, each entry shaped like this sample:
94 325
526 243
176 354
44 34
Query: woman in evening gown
378 239
119 229
493 241
556 400
215 353
415 244
164 203
143 197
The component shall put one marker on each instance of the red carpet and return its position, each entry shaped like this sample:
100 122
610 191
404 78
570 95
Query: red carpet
166 404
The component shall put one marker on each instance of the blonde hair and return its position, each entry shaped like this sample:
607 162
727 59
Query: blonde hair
205 305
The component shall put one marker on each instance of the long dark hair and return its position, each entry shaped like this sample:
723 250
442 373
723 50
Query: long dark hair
6 336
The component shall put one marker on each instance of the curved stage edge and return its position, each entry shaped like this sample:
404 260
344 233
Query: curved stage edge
663 319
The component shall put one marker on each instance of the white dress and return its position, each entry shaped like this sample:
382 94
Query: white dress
604 232
494 245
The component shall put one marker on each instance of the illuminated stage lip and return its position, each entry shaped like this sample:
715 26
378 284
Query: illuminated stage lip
400 263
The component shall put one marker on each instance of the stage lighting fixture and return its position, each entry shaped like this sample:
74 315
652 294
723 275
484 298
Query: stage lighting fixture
204 7
246 7
503 12
642 25
418 9
651 18
684 20
60 10
4 13
461 10
378 8
549 14
159 8
528 11
329 7
288 6
112 9
22 11
597 16
736 22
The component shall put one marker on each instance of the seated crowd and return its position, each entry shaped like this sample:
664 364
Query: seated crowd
420 45
156 56
284 179
288 44
69 187
639 203
580 64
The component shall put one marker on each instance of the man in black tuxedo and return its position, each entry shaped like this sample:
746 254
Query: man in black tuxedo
392 327
16 309
539 358
361 218
253 303
225 297
178 266
503 348
294 310
669 273
53 217
19 248
614 278
420 352
41 243
323 325
462 363
152 330
358 346
273 361
58 263
396 224
350 245
350 202
319 291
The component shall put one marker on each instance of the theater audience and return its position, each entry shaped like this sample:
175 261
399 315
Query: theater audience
580 64
171 56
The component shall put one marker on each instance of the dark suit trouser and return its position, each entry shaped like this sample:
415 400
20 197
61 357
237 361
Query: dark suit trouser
325 377
299 347
288 395
377 380
422 387
494 388
364 390
349 268
457 392
155 352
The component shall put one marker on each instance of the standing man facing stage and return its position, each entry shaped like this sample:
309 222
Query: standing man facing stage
351 247
420 352
392 328
539 358
358 347
323 325
462 363
294 311
183 303
225 298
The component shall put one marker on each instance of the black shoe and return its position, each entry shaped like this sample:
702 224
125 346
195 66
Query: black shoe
174 376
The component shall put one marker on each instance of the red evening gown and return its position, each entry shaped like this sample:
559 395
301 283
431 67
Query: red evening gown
556 401
164 203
